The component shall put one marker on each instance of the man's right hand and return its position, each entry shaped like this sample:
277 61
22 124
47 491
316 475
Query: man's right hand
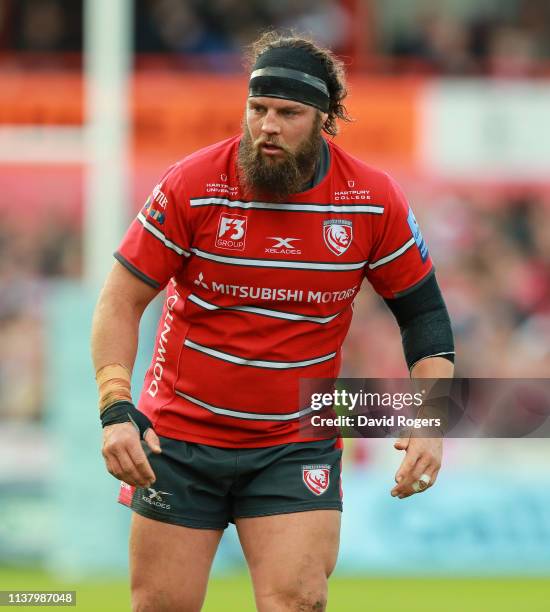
124 455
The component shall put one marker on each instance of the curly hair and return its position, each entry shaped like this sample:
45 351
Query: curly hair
334 67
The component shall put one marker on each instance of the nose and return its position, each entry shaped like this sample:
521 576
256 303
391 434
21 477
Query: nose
270 125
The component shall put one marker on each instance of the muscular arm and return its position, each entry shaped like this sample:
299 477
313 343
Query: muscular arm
116 318
114 341
433 367
423 455
429 350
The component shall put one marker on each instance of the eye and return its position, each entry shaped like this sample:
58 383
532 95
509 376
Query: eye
287 112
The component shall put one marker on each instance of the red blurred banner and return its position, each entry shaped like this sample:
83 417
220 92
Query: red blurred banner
175 114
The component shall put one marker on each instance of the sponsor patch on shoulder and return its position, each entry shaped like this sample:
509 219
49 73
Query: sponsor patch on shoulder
155 206
417 235
151 210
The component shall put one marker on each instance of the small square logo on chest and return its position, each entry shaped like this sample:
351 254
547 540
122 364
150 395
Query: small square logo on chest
231 232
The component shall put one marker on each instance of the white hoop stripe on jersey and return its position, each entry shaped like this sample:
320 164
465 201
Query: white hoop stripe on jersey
392 256
257 363
160 236
266 312
298 207
238 414
276 263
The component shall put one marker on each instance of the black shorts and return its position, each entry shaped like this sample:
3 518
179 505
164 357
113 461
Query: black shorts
206 486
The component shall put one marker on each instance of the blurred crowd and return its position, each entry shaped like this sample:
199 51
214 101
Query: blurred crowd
180 27
493 263
41 26
510 38
455 37
32 257
492 257
224 26
492 252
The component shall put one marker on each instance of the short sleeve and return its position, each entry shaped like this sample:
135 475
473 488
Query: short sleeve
399 257
157 243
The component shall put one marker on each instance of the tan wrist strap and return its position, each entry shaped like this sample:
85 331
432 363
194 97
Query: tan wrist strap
113 385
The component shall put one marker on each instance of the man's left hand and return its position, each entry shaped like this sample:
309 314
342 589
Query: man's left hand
419 469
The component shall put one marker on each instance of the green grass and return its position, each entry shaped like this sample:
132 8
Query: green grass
234 594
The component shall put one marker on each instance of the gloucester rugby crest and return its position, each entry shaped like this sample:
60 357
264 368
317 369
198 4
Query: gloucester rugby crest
316 478
338 234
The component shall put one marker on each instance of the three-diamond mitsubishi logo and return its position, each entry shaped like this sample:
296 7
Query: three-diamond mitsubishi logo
199 281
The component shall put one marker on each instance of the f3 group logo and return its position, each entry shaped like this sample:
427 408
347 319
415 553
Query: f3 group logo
231 232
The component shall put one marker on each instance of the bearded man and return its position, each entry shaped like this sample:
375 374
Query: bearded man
261 248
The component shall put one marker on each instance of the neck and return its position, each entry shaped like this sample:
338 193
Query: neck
308 181
320 168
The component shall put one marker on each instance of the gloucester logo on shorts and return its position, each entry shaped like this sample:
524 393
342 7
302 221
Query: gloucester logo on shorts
231 232
316 478
338 234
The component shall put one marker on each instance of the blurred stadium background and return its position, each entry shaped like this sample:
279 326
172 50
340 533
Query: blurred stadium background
450 96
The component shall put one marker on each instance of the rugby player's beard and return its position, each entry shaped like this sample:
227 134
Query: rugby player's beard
276 179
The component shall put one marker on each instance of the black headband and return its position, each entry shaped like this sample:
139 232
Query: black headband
292 74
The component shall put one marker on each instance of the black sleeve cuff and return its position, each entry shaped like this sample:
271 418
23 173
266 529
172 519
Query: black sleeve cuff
138 273
424 322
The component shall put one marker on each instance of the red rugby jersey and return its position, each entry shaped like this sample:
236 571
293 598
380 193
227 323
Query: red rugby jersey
260 294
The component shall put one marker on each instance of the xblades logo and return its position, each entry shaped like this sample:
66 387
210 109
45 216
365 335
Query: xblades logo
283 246
157 494
155 498
283 242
